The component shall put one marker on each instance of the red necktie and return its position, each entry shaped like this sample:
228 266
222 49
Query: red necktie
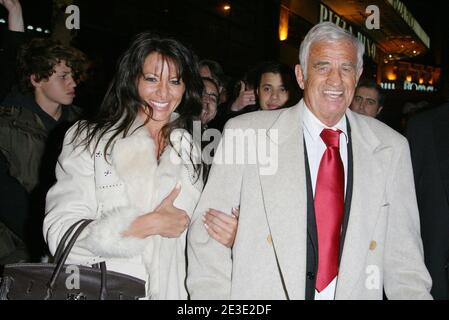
329 206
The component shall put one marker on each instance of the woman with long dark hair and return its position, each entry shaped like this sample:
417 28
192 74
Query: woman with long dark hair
135 169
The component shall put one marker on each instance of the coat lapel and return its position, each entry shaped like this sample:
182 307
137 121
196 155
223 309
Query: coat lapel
284 195
370 158
134 159
147 183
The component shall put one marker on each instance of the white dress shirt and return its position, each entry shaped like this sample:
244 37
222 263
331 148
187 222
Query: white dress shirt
315 150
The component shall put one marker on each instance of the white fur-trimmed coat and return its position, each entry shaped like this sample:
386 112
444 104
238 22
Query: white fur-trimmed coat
114 193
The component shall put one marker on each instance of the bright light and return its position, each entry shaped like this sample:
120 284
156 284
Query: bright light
39 29
391 76
414 51
390 56
2 21
47 31
283 24
227 7
30 28
408 78
421 81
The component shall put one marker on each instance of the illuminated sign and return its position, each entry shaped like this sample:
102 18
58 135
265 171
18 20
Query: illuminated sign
410 20
417 87
328 15
388 85
407 86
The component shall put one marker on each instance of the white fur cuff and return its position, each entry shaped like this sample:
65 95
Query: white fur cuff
105 234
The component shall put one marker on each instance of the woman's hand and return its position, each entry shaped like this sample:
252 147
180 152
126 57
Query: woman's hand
221 226
166 220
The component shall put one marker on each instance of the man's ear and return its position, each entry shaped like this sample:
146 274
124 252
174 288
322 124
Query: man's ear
379 110
299 76
34 82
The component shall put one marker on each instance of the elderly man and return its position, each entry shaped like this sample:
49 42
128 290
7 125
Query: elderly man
334 218
368 99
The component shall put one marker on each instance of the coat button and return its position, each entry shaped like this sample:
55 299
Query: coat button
372 245
269 239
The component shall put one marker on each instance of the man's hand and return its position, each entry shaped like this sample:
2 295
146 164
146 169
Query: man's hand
245 98
15 18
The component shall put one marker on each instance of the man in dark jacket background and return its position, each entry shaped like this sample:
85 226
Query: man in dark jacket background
33 121
428 135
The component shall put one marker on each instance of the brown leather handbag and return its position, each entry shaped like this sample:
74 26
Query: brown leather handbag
58 281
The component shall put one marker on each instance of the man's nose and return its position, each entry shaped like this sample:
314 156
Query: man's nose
334 77
72 82
364 103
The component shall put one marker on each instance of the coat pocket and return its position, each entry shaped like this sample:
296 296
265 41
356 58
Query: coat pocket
111 196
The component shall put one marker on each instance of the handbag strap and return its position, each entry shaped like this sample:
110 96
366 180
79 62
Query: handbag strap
61 261
103 289
102 266
64 238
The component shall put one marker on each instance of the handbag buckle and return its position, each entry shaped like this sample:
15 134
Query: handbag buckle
76 296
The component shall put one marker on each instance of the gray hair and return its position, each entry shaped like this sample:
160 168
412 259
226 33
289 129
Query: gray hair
327 31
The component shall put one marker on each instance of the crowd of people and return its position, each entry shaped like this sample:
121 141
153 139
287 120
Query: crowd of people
348 193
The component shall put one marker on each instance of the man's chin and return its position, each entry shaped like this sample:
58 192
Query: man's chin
66 102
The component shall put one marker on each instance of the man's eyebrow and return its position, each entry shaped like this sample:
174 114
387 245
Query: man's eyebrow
321 63
366 98
352 64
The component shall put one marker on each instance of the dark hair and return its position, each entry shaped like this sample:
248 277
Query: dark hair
368 83
40 56
288 79
216 71
122 102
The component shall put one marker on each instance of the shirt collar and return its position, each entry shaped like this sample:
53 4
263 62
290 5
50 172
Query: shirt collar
314 126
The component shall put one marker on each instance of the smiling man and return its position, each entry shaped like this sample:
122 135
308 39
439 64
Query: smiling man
337 220
33 121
